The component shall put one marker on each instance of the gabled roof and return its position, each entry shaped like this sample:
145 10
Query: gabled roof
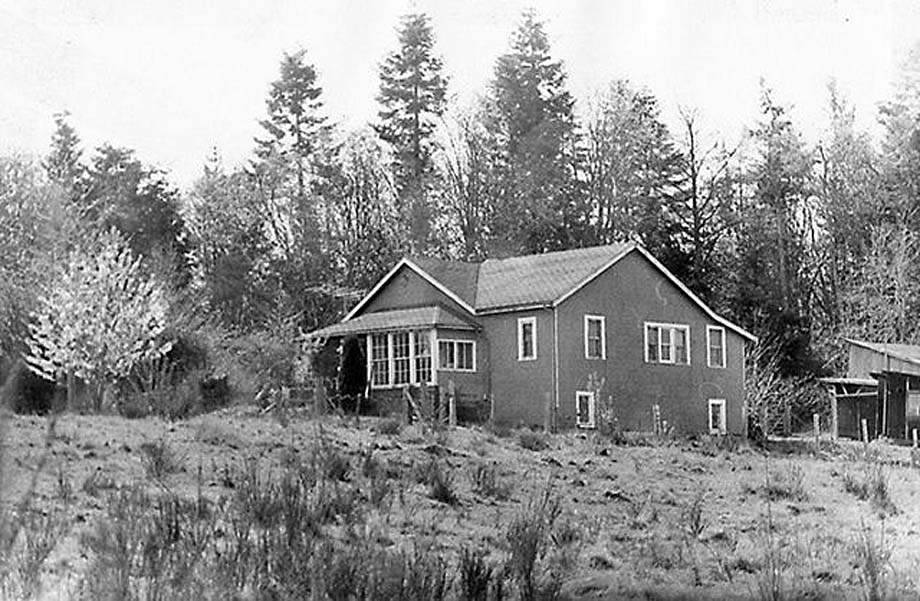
541 279
457 276
517 283
904 352
418 317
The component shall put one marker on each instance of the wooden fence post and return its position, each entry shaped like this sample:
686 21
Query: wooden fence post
816 424
865 431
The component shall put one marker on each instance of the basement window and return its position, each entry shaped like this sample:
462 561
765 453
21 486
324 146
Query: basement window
717 416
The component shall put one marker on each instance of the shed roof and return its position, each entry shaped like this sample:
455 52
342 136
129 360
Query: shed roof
904 352
418 317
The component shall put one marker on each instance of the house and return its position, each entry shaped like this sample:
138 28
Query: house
882 387
553 339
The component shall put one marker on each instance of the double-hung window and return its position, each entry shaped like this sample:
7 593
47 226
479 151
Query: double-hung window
717 416
715 345
595 337
667 343
527 338
400 358
457 355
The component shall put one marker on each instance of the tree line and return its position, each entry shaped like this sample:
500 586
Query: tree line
107 266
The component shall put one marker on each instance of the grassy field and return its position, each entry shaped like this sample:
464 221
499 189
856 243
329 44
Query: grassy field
236 504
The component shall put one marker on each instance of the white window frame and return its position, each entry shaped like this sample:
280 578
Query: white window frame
671 346
521 322
603 320
391 360
721 428
455 342
592 409
709 332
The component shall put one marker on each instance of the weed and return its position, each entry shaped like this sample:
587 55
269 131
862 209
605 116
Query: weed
96 482
440 483
533 441
159 459
475 575
873 563
498 430
389 427
63 486
788 483
692 516
529 538
486 481
872 487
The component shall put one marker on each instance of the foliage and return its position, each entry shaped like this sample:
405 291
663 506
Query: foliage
412 98
102 317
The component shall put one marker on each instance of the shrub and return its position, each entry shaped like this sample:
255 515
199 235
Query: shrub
485 481
389 427
533 441
529 539
475 575
159 459
28 393
439 481
872 487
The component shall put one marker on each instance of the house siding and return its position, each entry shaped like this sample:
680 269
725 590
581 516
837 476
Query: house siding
521 390
629 294
408 289
470 387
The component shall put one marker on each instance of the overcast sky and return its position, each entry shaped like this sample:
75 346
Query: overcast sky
174 78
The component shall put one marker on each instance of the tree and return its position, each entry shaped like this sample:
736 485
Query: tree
64 163
294 124
631 169
142 205
532 110
362 218
774 275
467 162
101 317
704 207
412 95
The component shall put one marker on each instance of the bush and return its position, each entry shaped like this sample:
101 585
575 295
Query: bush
159 459
485 481
28 393
389 427
872 487
533 441
439 481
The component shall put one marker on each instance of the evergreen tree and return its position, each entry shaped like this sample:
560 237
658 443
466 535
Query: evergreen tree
63 164
412 95
294 124
532 109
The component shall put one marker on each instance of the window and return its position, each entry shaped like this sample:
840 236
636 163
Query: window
457 355
584 409
400 358
527 338
422 344
380 360
595 337
667 343
717 416
715 342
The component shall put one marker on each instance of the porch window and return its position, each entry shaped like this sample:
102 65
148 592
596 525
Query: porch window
457 355
400 358
380 360
422 344
667 343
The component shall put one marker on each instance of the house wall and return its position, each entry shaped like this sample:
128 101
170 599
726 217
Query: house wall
863 362
630 293
470 387
408 289
521 390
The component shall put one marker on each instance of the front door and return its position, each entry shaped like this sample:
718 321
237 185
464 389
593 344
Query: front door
585 409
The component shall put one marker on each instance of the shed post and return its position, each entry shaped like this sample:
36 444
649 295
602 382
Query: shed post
834 424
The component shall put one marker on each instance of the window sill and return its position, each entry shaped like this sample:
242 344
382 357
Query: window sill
459 371
526 359
397 386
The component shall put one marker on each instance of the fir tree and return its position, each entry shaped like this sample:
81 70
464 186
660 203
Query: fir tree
412 96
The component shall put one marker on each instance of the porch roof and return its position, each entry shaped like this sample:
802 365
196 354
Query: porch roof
398 319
